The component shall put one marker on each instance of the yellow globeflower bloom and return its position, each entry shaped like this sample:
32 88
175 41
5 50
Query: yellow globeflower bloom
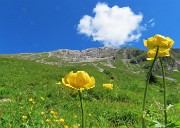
160 41
164 44
66 126
57 121
75 126
55 116
31 99
78 81
108 86
42 113
162 52
53 112
150 43
24 117
61 120
48 120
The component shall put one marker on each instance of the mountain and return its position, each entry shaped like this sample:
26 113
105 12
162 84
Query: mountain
133 59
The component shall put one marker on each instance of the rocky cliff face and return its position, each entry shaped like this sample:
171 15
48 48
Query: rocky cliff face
87 55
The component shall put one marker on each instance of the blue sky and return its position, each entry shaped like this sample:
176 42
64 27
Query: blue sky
47 25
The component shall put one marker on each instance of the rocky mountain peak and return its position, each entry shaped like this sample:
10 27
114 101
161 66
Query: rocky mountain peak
87 55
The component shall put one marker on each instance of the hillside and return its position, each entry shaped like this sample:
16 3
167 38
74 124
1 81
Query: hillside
133 59
25 76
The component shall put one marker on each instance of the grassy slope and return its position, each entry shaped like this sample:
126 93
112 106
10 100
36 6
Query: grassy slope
21 80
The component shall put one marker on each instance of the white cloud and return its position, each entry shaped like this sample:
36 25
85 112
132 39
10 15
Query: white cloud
151 23
151 20
112 26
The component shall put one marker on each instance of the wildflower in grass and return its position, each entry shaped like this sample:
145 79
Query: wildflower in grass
79 81
24 117
61 120
57 121
48 120
42 113
90 114
66 126
31 99
53 112
75 126
108 86
158 46
55 116
42 98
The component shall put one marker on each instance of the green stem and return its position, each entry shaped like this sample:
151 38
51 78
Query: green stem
82 109
164 87
145 91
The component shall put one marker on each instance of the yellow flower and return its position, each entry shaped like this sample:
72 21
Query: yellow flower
55 116
48 120
42 113
162 52
31 99
108 86
53 112
78 81
160 41
24 117
164 44
75 126
61 120
65 126
57 121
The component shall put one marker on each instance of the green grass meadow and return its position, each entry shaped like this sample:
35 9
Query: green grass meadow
121 107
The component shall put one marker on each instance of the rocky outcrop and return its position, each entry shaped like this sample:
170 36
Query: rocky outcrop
87 55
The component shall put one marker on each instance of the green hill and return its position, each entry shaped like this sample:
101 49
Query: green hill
26 76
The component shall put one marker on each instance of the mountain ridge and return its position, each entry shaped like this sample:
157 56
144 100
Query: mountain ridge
130 57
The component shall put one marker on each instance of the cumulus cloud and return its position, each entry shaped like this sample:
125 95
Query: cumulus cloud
113 26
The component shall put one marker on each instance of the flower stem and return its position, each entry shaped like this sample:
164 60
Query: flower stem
145 91
82 109
164 87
